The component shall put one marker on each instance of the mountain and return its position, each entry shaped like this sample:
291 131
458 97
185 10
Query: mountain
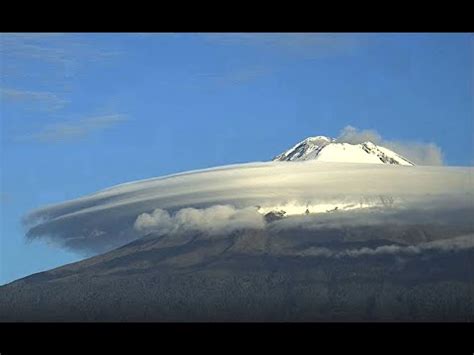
330 150
259 275
330 241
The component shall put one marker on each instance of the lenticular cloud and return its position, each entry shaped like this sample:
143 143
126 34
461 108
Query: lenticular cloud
225 199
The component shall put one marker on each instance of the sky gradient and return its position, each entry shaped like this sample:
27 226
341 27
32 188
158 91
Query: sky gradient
82 112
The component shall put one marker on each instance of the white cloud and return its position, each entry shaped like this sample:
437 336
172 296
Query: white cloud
158 221
353 135
419 153
218 219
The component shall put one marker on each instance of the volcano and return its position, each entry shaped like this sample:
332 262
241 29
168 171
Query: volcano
327 231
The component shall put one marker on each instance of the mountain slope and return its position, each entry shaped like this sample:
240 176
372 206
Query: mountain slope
330 150
258 276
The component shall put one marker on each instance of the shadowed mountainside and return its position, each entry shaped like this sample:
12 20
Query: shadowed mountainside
257 276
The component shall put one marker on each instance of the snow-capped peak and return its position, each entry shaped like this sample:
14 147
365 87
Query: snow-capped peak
327 149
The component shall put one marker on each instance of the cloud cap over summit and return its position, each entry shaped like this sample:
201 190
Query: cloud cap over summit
108 218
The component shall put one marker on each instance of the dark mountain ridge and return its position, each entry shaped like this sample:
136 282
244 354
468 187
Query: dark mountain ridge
257 275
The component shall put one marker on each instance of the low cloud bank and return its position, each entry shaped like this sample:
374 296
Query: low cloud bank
446 245
437 212
419 153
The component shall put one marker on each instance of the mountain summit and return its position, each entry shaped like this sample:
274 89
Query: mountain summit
331 150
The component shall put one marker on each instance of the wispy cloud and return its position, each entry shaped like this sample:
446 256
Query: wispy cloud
43 100
272 47
46 60
419 152
20 48
243 75
236 76
73 130
309 45
55 56
444 245
50 47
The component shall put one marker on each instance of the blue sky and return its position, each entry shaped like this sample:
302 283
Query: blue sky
82 112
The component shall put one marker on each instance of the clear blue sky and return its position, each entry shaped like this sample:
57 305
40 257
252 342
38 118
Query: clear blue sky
82 112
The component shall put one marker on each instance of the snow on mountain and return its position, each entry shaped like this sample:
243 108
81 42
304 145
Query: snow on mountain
330 150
